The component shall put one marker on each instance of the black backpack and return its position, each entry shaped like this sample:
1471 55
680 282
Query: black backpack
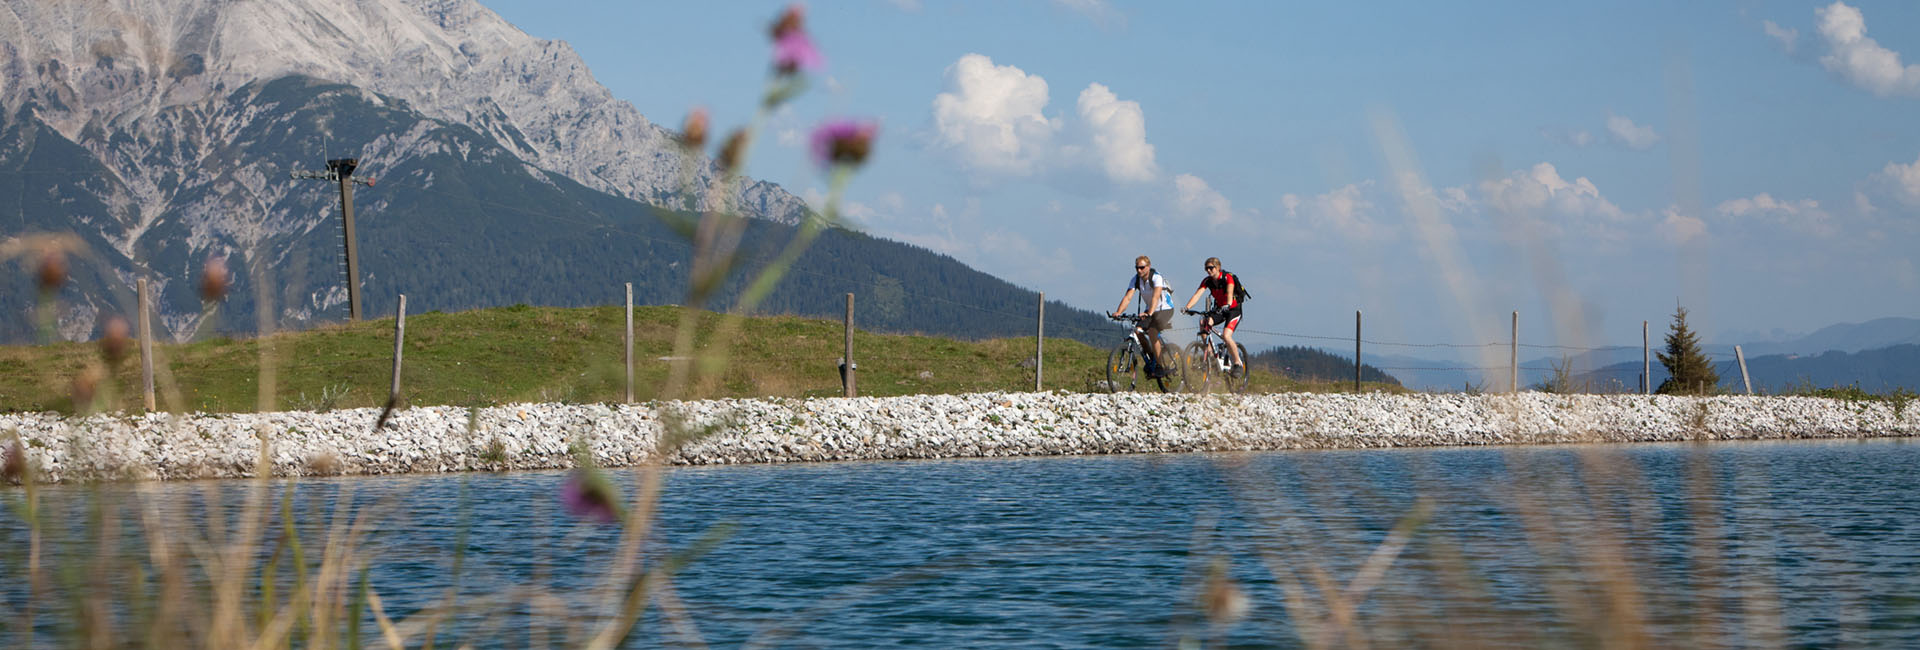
1240 293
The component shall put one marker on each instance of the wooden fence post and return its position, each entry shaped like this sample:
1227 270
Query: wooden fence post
629 342
1742 358
399 337
1356 350
1646 362
1513 355
846 363
146 345
1039 340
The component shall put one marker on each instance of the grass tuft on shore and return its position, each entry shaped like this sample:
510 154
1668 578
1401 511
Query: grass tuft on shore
553 354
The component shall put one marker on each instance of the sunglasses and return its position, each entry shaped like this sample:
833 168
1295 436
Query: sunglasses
1139 268
1210 268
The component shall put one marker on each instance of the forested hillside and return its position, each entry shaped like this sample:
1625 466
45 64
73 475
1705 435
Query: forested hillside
1313 364
454 222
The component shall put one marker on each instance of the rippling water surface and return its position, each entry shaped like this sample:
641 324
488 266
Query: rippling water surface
1797 543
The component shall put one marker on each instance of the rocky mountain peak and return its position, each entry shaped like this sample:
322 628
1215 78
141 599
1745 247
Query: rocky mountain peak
108 63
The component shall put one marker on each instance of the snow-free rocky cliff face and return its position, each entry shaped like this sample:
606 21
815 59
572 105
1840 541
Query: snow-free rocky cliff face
148 128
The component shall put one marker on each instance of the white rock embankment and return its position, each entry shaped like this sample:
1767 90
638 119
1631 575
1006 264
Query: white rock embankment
545 436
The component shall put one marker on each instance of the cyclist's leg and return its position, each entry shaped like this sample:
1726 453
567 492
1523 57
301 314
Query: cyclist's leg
1146 348
1226 333
1161 321
1208 320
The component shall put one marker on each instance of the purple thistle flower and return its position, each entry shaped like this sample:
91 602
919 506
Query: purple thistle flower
794 52
587 495
843 142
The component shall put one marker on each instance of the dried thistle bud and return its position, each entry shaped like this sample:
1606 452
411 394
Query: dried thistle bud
13 469
115 340
323 464
85 386
214 279
52 270
791 20
693 134
1222 599
732 151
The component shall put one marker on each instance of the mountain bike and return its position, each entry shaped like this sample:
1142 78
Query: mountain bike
1213 361
1128 361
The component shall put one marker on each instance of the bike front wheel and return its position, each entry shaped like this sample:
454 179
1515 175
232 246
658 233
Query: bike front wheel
1200 368
1123 369
1175 370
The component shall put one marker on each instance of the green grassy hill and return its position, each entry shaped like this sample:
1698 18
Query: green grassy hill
522 353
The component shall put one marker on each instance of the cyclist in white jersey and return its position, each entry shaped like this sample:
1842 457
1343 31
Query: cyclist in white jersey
1156 306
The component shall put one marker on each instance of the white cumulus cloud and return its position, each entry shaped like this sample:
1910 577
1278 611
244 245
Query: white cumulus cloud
1902 181
1679 228
1541 190
858 210
991 117
1119 130
1862 60
1805 214
1764 203
1788 37
1634 136
1197 199
884 209
1350 210
992 120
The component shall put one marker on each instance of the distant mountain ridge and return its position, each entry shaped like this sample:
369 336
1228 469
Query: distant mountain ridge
1879 370
1843 337
160 133
1619 367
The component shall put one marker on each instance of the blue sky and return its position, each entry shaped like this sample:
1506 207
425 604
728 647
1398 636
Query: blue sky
1437 165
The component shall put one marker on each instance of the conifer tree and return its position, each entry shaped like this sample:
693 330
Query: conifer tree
1691 373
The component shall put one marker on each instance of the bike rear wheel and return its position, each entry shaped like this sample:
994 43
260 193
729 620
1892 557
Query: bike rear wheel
1123 369
1238 381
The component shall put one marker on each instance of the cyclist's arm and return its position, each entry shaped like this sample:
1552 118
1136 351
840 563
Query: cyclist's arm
1123 302
1195 298
1233 299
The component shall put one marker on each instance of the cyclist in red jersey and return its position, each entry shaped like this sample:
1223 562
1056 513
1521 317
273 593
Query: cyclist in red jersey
1226 306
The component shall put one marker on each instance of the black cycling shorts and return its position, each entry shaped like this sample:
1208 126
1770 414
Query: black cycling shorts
1227 317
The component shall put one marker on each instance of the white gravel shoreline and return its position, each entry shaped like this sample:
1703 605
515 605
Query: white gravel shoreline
771 430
